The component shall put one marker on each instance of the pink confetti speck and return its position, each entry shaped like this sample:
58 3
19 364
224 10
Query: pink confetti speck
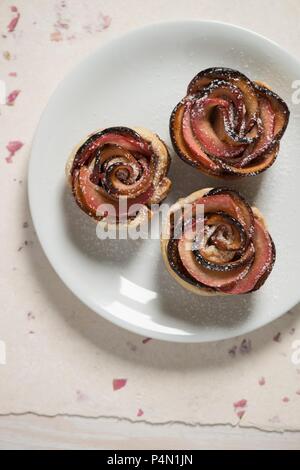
10 100
12 74
240 404
131 346
102 23
146 340
119 383
8 159
241 414
286 400
61 24
262 381
275 420
106 21
277 338
80 396
238 407
13 23
13 146
140 413
232 351
56 36
246 346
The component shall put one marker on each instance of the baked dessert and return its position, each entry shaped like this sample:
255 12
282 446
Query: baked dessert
119 165
224 250
227 125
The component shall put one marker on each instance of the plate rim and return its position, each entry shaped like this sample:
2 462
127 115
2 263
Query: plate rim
167 337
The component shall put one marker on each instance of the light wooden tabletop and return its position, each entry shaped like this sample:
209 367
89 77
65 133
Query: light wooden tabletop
37 432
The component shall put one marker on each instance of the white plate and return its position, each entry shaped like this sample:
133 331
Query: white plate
137 80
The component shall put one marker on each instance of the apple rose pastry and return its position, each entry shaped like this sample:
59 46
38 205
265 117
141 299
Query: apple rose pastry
120 168
227 125
229 251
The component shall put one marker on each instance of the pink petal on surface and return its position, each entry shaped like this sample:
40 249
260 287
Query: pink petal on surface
262 381
12 74
14 145
106 21
13 9
10 100
80 396
286 400
119 383
240 404
246 346
56 36
146 340
277 338
9 159
232 351
13 23
140 413
61 24
275 420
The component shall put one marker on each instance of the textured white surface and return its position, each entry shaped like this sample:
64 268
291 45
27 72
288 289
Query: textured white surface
62 358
